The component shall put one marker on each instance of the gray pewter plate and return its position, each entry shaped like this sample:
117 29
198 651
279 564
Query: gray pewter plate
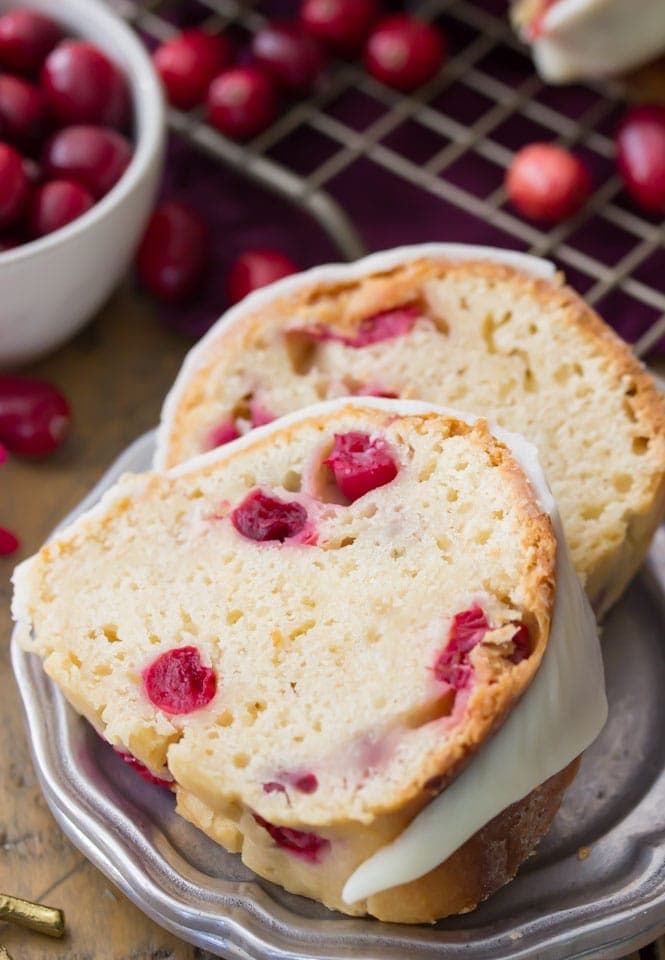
595 888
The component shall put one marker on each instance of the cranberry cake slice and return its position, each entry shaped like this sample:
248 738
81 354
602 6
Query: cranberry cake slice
309 634
497 335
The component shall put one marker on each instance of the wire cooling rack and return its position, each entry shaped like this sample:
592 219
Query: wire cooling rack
442 153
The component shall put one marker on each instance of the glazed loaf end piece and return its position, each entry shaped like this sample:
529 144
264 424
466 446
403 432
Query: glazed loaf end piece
524 351
308 674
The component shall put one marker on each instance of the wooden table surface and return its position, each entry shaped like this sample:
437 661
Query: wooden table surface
115 375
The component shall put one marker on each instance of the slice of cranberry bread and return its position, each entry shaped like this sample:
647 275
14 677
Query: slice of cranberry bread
310 633
495 339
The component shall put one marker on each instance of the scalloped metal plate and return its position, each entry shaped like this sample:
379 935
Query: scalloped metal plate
595 888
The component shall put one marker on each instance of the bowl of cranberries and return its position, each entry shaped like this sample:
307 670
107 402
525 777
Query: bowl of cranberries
81 149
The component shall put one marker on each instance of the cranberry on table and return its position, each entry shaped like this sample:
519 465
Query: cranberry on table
254 269
188 63
640 147
546 182
95 157
22 111
34 416
291 55
172 254
9 542
404 52
82 85
341 25
242 102
26 39
14 186
55 204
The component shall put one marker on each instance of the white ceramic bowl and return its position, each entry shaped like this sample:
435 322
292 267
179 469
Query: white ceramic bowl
50 287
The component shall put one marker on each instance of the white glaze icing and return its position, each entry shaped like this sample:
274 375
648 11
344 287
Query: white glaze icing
330 273
559 716
598 38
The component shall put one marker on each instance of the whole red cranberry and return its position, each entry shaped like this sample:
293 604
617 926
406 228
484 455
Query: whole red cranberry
360 463
9 542
188 63
14 186
22 111
26 38
545 182
172 255
341 25
291 55
83 86
404 52
254 269
95 157
34 416
640 146
241 102
55 204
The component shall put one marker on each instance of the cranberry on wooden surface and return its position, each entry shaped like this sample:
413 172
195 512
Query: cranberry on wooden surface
22 111
360 463
55 204
262 517
95 157
546 182
9 542
254 269
34 416
177 681
341 25
289 54
640 147
404 52
14 186
188 62
26 38
172 254
242 102
82 85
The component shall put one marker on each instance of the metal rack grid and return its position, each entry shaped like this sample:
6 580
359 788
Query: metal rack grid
470 119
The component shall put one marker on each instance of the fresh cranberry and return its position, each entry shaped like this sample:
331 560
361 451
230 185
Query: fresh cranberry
341 25
223 433
521 643
254 269
641 156
308 846
262 517
173 252
55 204
83 86
289 54
466 631
241 102
142 770
9 543
545 182
14 186
177 681
34 416
93 156
187 64
26 39
3 455
404 52
360 463
374 329
23 111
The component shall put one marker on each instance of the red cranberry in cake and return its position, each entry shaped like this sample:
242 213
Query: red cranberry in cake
177 681
308 846
259 414
262 517
467 629
303 782
386 325
360 463
143 771
223 433
306 783
521 643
